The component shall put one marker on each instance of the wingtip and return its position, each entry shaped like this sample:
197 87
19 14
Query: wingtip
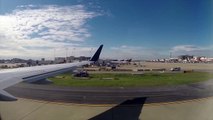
5 96
97 54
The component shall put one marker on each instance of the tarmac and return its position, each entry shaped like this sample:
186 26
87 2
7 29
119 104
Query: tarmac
112 95
26 109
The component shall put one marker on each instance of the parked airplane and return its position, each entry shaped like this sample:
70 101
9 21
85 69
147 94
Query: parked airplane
10 77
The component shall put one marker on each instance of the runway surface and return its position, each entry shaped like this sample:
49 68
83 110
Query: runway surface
106 95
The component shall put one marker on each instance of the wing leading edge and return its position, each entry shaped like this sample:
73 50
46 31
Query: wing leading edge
32 74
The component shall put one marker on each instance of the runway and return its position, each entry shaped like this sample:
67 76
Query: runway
106 95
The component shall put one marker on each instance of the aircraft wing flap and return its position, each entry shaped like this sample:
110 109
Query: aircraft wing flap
9 82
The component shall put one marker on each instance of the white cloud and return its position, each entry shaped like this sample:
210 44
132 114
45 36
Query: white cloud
31 29
192 50
139 52
186 48
135 52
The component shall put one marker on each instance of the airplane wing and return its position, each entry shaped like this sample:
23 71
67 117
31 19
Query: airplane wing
10 77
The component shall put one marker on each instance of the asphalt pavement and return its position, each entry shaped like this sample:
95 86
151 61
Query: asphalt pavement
111 95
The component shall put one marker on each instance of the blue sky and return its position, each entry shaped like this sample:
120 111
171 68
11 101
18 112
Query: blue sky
140 29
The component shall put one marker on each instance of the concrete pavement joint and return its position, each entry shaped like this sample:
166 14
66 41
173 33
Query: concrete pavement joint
37 108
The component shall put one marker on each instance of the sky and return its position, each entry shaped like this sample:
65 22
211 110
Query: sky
139 29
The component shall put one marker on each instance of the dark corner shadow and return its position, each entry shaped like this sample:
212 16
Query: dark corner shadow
0 117
128 110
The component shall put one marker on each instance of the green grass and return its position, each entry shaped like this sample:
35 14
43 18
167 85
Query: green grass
130 80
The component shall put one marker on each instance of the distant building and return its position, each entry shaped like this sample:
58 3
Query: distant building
42 59
59 60
17 60
70 59
185 57
83 58
45 62
173 60
12 65
31 62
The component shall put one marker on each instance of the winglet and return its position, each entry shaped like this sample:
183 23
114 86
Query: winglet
95 57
